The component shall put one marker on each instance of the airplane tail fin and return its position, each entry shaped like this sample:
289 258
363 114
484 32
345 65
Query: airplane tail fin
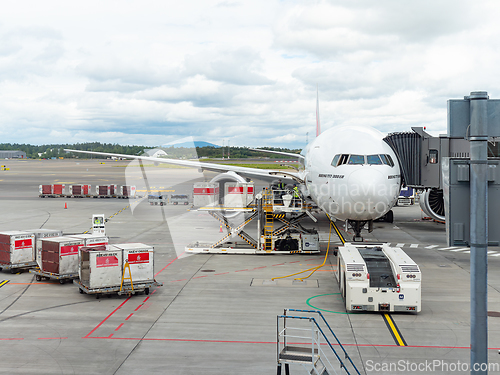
318 125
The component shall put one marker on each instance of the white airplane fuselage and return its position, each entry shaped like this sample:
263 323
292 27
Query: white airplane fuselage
364 181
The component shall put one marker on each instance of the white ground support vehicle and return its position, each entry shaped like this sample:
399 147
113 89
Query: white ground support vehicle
378 278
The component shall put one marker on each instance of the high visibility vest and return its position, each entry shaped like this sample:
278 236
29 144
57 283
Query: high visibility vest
296 193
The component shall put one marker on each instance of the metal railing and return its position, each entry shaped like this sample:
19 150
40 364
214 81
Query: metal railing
317 353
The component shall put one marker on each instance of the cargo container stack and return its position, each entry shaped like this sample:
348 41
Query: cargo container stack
92 240
59 258
17 250
102 268
79 191
127 191
39 235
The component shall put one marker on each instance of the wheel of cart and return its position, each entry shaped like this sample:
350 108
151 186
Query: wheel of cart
38 278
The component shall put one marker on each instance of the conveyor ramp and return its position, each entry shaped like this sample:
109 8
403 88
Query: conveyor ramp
379 267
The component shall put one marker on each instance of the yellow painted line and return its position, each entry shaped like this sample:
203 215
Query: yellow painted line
3 283
395 331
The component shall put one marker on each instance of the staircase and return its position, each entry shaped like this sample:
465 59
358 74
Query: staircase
307 343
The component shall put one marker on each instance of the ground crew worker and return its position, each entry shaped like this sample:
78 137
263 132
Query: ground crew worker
281 185
296 193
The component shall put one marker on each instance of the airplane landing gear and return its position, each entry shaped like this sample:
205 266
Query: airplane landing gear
357 227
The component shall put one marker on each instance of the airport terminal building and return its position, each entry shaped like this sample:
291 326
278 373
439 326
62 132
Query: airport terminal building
12 154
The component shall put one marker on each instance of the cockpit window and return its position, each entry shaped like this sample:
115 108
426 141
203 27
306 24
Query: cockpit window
356 159
373 160
386 159
335 160
343 159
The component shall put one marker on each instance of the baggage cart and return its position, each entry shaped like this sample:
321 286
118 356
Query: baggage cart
40 275
138 288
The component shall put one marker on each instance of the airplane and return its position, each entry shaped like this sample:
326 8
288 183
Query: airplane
349 172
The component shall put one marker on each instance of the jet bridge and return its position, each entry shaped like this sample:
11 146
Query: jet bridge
278 215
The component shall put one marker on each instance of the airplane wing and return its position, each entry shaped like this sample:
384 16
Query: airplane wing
289 154
262 174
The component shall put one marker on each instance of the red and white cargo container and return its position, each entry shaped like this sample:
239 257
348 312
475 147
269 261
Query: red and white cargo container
79 191
92 240
238 194
102 269
17 249
127 191
140 258
60 255
39 235
45 191
57 190
206 194
105 191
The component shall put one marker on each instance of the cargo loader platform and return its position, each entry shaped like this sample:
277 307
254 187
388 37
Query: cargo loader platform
270 208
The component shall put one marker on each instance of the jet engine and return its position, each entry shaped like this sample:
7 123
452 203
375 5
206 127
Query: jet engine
432 203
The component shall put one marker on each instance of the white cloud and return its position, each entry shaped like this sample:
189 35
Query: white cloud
124 72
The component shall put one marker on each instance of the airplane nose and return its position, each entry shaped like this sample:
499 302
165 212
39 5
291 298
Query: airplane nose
370 193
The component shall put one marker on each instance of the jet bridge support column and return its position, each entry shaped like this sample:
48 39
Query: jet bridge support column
479 230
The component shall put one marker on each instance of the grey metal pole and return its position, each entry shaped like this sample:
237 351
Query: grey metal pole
479 231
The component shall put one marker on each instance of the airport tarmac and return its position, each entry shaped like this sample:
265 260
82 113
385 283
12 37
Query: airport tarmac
207 318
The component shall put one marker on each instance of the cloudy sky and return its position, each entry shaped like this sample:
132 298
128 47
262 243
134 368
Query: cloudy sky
150 72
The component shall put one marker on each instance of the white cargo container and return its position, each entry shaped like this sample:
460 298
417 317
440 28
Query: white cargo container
100 267
140 258
238 194
60 255
92 240
206 194
39 235
17 249
127 191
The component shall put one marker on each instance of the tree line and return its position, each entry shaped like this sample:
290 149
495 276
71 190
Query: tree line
57 150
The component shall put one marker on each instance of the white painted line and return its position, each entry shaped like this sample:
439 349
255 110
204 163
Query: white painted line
495 255
448 248
461 249
491 252
414 245
431 246
400 245
468 251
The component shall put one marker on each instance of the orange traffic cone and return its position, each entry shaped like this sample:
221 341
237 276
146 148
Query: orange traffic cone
65 205
220 230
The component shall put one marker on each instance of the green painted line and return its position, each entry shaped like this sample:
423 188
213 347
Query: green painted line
330 311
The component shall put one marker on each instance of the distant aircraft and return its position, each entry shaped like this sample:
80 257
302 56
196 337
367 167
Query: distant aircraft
349 172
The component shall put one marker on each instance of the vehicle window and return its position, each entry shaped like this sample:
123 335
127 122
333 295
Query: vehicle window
373 160
335 160
386 159
356 159
433 156
343 159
